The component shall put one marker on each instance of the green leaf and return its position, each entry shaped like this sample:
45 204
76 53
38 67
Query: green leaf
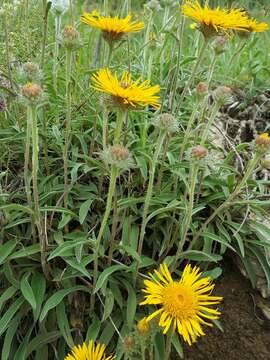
10 334
6 249
196 255
218 239
65 246
63 324
42 339
108 305
131 305
28 292
159 343
39 288
9 314
84 209
93 330
106 274
177 345
26 252
7 294
56 298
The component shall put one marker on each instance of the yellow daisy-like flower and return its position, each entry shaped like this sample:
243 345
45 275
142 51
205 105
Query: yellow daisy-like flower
126 93
213 21
113 28
184 304
89 352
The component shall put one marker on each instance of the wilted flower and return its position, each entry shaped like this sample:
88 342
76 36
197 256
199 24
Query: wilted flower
60 6
223 95
153 5
125 93
129 343
199 152
166 122
70 38
113 28
89 351
118 156
184 305
32 93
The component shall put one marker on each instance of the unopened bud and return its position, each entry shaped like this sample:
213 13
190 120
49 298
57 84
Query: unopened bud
71 38
166 122
220 44
153 5
223 95
265 162
143 327
117 155
30 71
201 91
199 152
129 342
32 93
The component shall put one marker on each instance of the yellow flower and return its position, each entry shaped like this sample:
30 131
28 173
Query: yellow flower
143 326
126 93
184 304
113 28
213 21
89 352
253 26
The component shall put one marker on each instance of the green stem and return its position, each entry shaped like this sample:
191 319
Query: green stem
250 167
68 124
7 43
210 122
113 177
188 217
121 116
56 49
45 31
105 129
149 192
194 72
27 179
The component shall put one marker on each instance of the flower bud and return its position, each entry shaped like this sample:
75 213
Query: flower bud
119 156
129 342
71 38
60 6
152 41
153 5
265 162
223 95
30 71
32 93
166 122
199 152
143 327
219 44
201 91
263 142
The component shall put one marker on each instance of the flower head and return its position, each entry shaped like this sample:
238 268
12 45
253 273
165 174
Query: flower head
70 37
199 152
32 93
254 26
223 95
166 122
126 93
113 28
89 351
184 305
118 156
30 71
263 142
211 22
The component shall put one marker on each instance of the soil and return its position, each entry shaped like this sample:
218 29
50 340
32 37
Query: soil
246 333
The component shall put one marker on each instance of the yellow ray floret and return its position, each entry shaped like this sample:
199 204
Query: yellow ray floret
89 352
215 20
125 92
113 25
253 26
183 305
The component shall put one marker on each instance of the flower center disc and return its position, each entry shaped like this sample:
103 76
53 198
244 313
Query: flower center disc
179 301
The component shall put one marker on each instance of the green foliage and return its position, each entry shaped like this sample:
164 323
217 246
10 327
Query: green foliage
49 299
